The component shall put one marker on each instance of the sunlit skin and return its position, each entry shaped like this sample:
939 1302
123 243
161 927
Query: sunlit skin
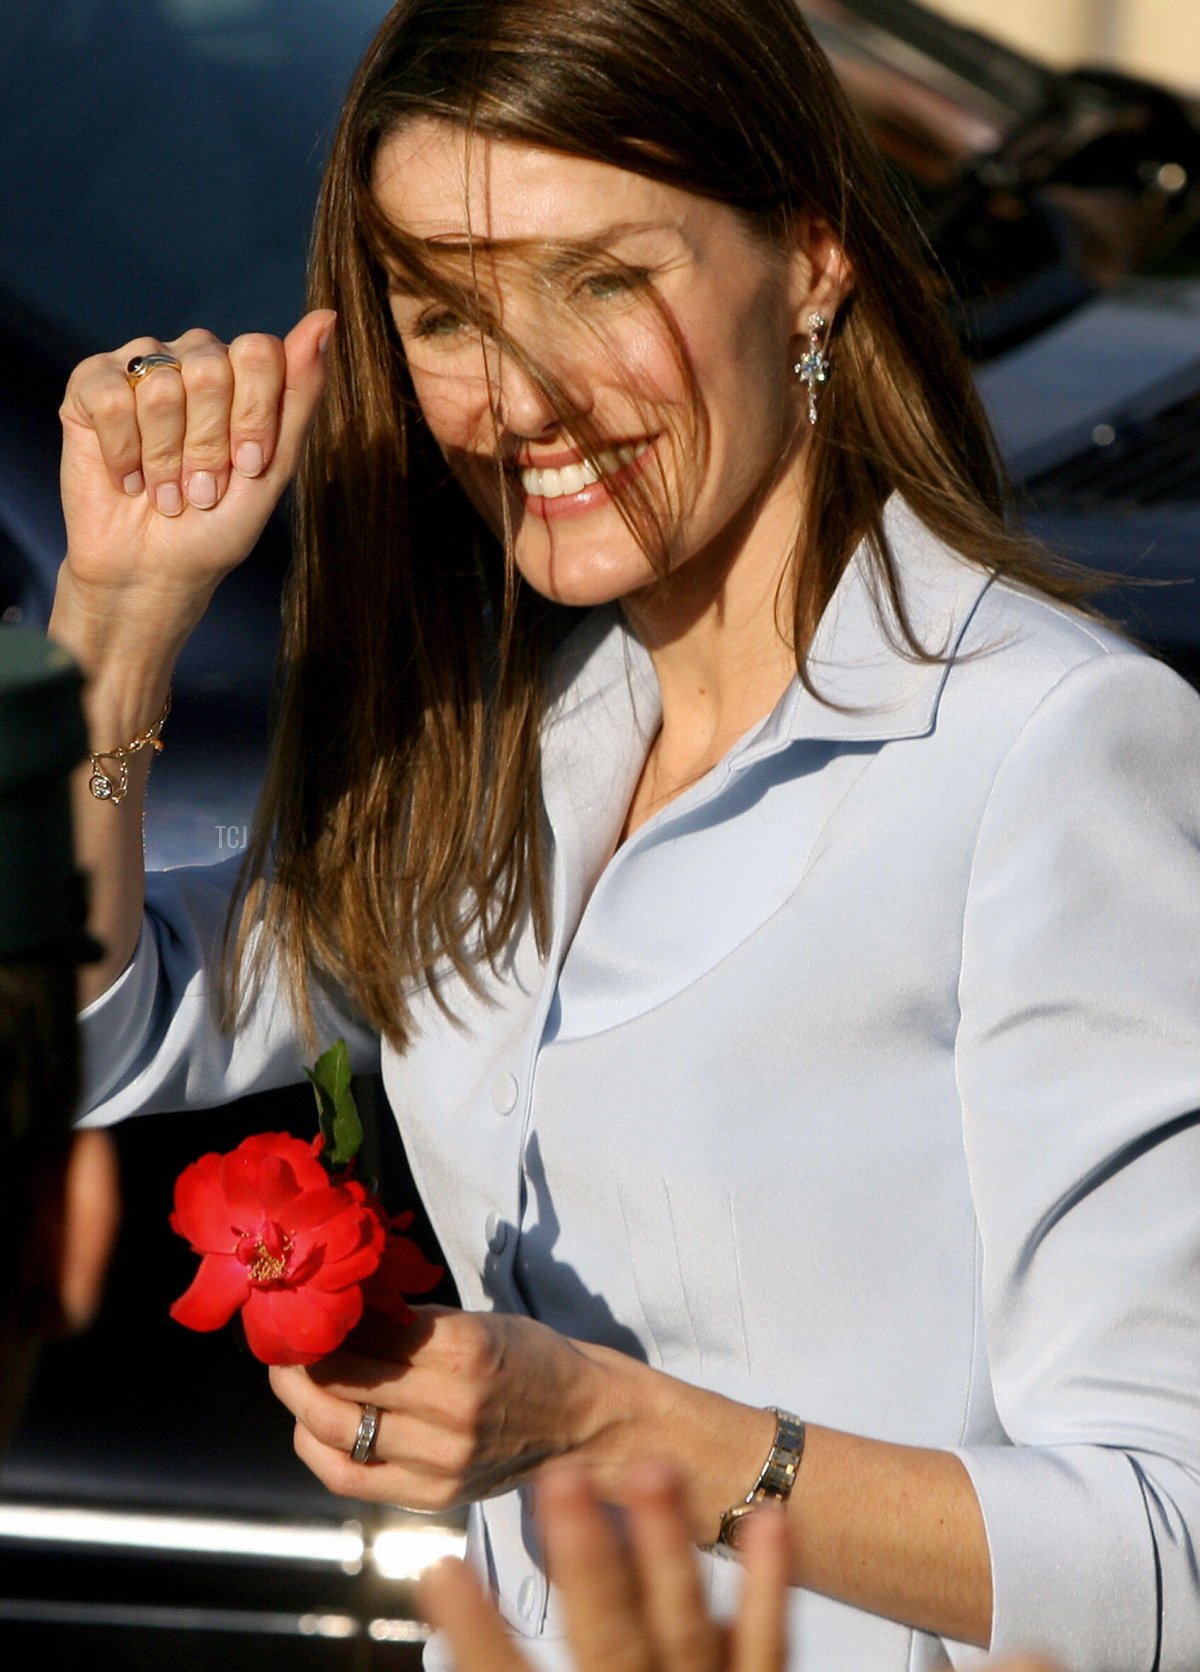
740 306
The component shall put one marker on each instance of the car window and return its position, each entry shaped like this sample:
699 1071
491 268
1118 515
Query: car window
160 158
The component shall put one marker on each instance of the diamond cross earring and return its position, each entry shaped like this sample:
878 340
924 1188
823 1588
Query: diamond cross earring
812 368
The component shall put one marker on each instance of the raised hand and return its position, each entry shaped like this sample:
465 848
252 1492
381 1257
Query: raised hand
168 482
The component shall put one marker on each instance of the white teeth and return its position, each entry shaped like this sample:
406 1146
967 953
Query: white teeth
573 478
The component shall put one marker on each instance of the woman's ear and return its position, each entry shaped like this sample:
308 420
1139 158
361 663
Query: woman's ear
91 1211
821 276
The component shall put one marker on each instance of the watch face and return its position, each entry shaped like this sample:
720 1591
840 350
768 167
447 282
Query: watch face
726 1544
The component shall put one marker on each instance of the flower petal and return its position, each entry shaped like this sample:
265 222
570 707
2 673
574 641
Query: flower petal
202 1212
301 1157
257 1185
306 1321
343 1237
392 1307
403 1270
316 1208
214 1294
262 1337
355 1268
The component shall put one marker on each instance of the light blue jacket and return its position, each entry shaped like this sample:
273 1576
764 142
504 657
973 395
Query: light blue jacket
862 1081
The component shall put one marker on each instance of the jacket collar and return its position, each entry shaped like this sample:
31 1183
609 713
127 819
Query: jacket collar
857 661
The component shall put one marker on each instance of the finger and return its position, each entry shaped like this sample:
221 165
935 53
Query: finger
328 1417
208 393
401 1484
309 1391
594 1574
99 399
434 1449
684 1635
331 1417
159 403
453 1601
305 348
443 1397
259 369
759 1636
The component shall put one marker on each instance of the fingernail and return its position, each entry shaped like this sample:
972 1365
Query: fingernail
169 499
134 482
324 339
202 490
249 458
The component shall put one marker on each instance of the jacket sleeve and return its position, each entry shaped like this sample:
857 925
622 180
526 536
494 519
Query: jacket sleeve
1079 1068
151 1042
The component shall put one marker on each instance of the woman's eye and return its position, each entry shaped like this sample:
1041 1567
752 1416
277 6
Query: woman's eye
439 324
614 283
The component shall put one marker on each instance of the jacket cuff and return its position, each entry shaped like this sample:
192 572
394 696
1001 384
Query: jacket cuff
1074 1569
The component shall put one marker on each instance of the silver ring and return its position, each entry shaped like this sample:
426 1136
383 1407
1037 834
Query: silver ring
364 1440
143 364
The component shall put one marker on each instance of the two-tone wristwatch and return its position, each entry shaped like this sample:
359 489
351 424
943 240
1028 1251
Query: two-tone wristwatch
774 1483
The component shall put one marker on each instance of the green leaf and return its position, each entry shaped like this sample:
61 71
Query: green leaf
330 1076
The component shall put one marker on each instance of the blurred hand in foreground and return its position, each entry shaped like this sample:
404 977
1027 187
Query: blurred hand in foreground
630 1606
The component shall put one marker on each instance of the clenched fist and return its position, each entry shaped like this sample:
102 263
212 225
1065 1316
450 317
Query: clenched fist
168 480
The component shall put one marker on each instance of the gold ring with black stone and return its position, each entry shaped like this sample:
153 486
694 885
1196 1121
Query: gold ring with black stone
143 364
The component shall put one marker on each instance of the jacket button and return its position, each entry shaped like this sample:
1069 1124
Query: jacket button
504 1093
527 1598
497 1232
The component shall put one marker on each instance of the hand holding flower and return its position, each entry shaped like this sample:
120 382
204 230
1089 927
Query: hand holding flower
472 1402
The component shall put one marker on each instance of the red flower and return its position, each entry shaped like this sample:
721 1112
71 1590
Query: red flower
402 1270
289 1248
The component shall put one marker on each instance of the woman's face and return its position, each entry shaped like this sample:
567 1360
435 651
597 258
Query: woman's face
737 306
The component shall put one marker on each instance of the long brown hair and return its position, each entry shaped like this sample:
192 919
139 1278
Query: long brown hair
399 834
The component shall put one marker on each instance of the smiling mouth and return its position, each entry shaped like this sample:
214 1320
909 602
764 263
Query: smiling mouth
558 483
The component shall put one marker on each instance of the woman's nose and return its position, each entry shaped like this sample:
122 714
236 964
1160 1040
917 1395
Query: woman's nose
524 406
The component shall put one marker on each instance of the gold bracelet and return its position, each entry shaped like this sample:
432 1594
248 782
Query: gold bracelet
101 782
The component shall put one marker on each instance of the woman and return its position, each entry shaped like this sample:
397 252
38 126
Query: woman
785 973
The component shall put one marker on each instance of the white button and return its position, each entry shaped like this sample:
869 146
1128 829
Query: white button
527 1598
497 1232
504 1093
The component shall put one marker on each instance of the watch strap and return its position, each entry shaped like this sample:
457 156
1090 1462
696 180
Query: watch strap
775 1481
